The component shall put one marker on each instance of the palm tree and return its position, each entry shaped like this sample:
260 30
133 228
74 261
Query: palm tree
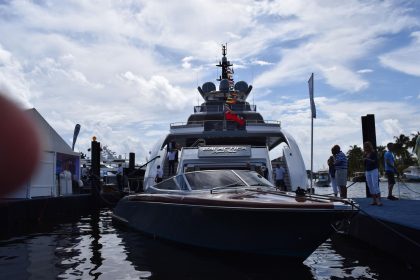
355 159
400 147
412 142
381 152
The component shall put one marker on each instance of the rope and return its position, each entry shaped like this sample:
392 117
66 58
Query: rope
385 225
405 185
346 188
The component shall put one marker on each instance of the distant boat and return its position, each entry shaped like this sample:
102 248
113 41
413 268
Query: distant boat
323 178
359 177
412 173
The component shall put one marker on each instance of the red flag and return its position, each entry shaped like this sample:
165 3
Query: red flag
230 116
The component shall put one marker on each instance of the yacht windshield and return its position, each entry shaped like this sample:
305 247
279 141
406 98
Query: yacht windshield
216 179
253 178
201 180
211 180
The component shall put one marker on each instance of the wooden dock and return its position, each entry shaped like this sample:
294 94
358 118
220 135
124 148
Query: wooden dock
393 228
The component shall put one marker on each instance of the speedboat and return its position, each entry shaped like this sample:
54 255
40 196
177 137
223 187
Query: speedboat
235 211
412 173
220 193
323 179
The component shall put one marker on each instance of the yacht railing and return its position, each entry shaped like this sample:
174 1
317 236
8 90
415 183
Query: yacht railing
224 125
220 108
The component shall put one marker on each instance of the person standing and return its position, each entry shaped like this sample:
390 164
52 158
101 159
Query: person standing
120 177
331 171
390 170
171 161
340 165
279 177
159 174
370 158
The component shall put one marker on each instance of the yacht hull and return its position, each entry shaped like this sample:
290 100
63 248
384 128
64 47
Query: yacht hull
278 231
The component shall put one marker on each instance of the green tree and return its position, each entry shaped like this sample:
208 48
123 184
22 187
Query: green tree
401 151
355 159
381 152
412 142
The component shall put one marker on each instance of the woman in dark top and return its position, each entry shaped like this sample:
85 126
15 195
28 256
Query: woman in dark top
370 158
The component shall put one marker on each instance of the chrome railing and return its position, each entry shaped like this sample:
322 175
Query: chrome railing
220 108
223 124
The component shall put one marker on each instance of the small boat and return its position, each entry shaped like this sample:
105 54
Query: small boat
412 173
359 177
323 179
234 210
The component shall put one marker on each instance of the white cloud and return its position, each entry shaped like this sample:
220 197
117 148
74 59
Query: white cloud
339 122
186 62
392 127
362 71
405 59
125 69
261 62
12 79
333 38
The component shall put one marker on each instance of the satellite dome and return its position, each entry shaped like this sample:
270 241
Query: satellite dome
209 87
224 85
241 86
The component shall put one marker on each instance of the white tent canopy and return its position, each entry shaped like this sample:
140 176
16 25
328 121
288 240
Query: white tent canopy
49 179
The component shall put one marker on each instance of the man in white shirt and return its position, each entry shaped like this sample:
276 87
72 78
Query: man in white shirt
279 176
159 174
171 161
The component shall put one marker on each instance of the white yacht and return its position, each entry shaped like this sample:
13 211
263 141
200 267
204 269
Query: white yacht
222 195
412 173
226 132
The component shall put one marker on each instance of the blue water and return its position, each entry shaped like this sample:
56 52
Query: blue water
93 247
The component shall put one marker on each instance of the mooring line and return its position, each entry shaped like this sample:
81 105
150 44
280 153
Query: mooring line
385 225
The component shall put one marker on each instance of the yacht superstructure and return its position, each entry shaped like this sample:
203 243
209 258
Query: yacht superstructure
226 132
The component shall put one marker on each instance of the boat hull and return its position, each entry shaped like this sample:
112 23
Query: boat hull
293 233
322 183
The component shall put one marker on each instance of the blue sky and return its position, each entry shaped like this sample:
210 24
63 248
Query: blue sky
124 70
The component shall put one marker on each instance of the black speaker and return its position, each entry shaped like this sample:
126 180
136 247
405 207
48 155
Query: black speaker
132 160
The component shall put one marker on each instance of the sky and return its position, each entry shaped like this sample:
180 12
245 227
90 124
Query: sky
125 70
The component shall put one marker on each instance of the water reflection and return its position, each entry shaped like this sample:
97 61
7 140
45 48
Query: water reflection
94 248
170 261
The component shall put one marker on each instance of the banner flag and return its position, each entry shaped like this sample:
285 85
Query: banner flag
311 95
75 134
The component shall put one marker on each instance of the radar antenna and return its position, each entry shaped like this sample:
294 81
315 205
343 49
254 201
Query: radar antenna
227 71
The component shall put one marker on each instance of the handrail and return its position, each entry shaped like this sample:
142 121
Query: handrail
221 108
197 142
156 157
202 123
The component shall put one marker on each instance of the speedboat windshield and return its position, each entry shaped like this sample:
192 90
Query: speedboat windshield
213 179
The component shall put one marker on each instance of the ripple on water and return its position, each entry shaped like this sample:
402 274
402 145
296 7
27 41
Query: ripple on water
94 248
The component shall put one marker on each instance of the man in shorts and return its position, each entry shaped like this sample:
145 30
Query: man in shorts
279 176
390 170
340 165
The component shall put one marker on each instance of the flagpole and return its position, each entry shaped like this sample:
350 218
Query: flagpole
313 115
312 150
